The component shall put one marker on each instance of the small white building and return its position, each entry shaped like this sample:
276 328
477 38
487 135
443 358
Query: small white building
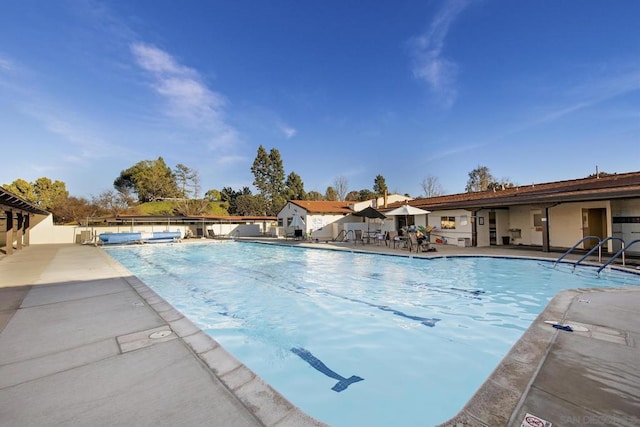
329 220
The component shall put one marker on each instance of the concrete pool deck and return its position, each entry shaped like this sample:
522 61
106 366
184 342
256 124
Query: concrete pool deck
76 349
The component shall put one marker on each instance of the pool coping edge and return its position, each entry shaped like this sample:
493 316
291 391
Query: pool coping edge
500 398
270 407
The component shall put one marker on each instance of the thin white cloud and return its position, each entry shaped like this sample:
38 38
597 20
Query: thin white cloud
158 61
86 143
429 65
6 64
224 139
287 131
590 93
230 160
189 99
453 152
80 138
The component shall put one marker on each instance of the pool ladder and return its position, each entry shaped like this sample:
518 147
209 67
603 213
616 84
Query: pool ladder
617 254
344 235
598 247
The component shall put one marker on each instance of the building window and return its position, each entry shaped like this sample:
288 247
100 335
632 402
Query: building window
280 222
448 222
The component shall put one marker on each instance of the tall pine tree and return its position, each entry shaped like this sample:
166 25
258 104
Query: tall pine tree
268 173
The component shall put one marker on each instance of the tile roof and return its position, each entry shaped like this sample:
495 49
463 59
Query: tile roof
321 206
192 218
583 189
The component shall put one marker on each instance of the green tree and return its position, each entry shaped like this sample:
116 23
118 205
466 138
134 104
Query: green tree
501 184
277 172
352 196
212 195
360 196
268 172
50 193
43 192
187 180
260 170
479 179
250 205
315 195
23 189
379 185
295 187
366 194
228 195
331 194
149 179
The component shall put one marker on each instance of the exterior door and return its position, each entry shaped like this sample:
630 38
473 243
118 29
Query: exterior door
493 235
593 224
536 227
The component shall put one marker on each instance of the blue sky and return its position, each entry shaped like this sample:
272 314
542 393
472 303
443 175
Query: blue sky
537 91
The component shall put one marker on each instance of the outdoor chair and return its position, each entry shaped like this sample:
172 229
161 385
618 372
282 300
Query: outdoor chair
359 237
421 245
379 237
392 239
414 243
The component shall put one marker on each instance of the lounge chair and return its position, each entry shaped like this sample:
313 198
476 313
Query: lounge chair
421 245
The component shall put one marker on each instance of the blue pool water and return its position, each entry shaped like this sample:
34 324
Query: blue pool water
359 339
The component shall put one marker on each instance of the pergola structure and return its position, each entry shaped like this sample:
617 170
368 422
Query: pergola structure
15 220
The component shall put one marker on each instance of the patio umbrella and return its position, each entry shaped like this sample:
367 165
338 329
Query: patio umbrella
370 212
296 221
406 210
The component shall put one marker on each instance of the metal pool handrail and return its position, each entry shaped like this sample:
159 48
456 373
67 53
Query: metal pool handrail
599 247
575 246
617 254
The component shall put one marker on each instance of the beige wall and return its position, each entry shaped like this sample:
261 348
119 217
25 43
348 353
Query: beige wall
565 222
503 224
482 230
34 220
520 219
46 233
463 225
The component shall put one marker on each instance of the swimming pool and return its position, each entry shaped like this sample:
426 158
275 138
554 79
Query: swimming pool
359 339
